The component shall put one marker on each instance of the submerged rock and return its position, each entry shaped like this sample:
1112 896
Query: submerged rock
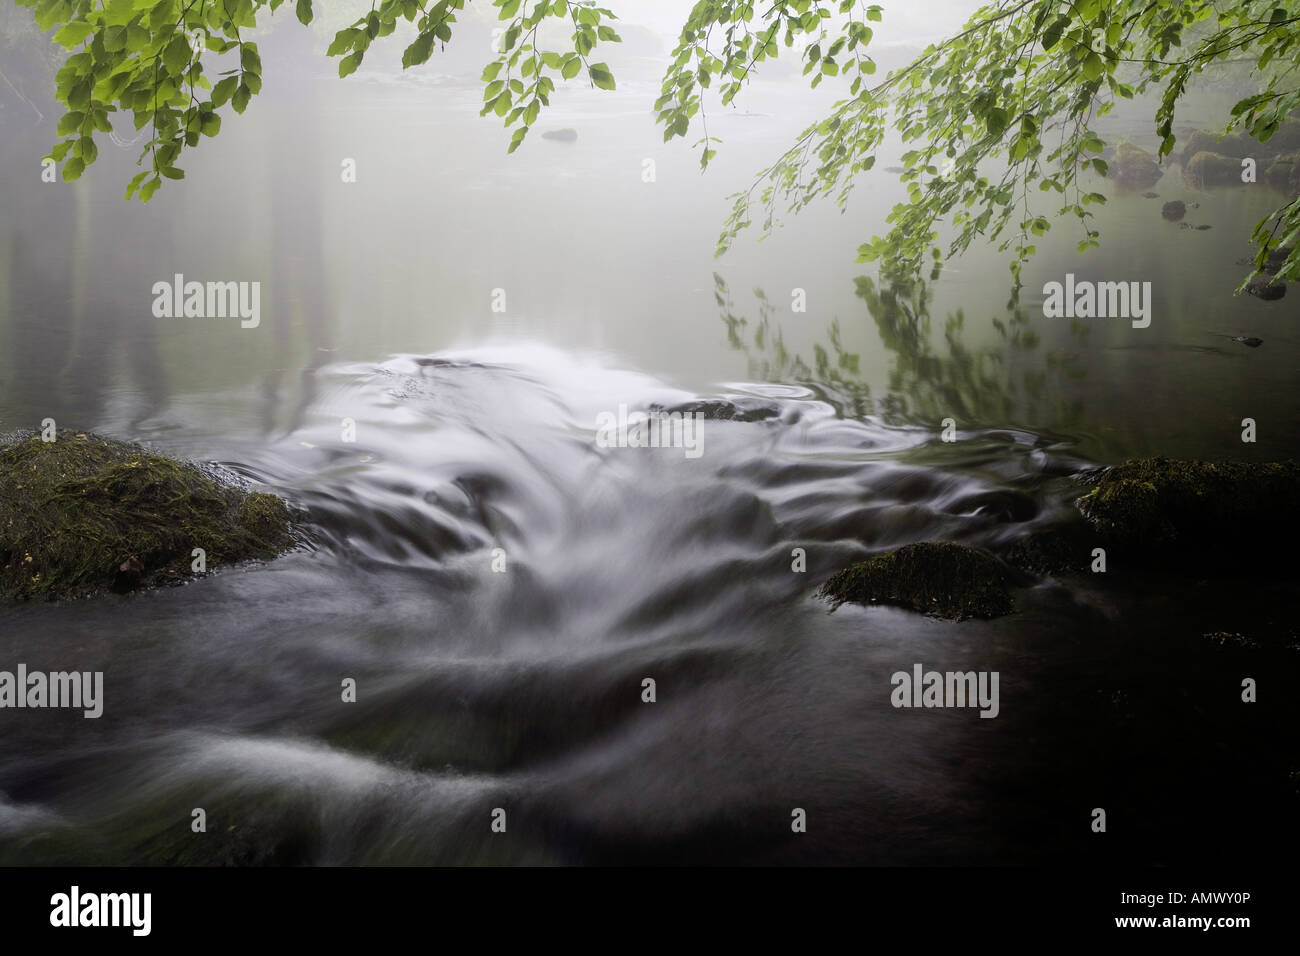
567 135
1150 195
1173 211
85 514
1222 511
940 578
1262 287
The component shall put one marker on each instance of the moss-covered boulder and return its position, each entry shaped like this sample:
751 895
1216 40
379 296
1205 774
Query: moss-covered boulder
939 578
84 514
1210 511
1212 169
1284 173
1134 167
1235 145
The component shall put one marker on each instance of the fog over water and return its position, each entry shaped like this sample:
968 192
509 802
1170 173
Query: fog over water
476 431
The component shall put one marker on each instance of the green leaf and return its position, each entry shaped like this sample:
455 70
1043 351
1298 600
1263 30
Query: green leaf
303 12
73 169
69 36
996 121
419 51
343 40
70 123
117 13
1092 66
222 92
601 76
572 68
176 56
249 60
240 98
350 63
115 39
1052 35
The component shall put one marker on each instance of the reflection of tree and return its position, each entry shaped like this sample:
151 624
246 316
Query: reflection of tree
1008 382
771 361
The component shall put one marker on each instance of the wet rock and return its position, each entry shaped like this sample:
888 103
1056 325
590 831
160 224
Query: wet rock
1212 169
1284 173
939 578
1067 547
1173 211
1203 227
1150 195
1236 146
1134 167
733 410
128 574
566 135
1222 511
74 507
1248 340
1263 287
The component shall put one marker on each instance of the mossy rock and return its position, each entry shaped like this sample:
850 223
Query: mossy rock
1284 172
1200 507
940 578
84 514
1234 145
1134 167
1212 169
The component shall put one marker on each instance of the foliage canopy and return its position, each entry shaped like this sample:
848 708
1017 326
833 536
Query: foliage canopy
999 117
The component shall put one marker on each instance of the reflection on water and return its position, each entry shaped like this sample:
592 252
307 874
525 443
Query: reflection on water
476 432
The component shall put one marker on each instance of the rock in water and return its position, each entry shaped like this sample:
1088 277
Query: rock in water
1200 511
1212 169
1134 167
82 516
1262 287
1150 195
1173 211
567 135
940 578
1249 340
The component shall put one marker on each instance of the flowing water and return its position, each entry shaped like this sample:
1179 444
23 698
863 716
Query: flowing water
476 450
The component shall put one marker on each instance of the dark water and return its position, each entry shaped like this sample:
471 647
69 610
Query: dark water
476 431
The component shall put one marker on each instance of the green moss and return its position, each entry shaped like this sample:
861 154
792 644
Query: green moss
74 512
1208 168
1154 503
940 578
